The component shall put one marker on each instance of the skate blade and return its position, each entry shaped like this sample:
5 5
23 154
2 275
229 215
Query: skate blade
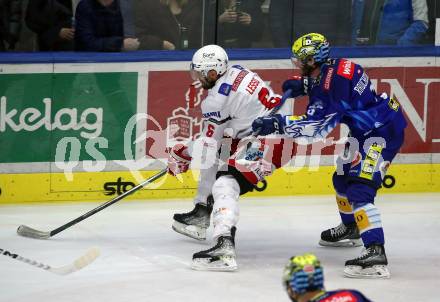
191 231
342 243
224 264
374 272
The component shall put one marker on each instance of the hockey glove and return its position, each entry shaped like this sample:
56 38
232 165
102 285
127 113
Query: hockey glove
268 125
298 85
179 160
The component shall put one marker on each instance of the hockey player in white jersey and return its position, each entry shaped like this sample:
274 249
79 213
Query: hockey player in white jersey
236 96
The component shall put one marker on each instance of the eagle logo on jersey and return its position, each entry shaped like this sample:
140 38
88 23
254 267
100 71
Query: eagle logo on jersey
311 128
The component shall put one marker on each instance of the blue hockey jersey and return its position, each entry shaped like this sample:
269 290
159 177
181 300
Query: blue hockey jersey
342 93
345 295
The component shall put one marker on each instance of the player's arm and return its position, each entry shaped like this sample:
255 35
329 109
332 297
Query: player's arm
315 124
298 86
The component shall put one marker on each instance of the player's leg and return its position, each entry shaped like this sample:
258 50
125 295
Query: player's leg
242 175
221 257
372 263
195 223
364 181
346 234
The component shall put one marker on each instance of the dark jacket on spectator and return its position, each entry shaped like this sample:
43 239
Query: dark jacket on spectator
98 28
156 23
10 23
46 18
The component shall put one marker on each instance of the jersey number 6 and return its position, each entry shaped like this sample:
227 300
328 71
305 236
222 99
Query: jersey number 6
210 130
268 103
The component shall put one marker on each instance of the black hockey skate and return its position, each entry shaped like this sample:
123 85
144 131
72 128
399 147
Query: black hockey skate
341 236
194 224
221 257
371 264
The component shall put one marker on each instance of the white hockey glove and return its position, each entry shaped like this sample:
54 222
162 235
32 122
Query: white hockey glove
179 160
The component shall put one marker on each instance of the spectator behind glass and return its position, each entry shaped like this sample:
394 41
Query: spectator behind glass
385 22
239 23
99 27
10 23
281 22
168 24
331 18
51 20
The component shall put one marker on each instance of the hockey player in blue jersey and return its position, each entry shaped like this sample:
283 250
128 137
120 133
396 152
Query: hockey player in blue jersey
303 279
340 92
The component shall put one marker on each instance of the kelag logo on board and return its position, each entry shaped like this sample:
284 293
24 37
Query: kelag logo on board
65 117
87 122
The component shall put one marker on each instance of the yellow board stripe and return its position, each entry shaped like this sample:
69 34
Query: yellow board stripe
43 187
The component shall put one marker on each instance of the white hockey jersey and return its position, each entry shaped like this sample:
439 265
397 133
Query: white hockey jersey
236 100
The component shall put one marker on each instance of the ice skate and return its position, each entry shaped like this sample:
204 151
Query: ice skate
221 257
371 264
341 236
194 224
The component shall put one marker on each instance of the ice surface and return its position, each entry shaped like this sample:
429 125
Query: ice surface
142 259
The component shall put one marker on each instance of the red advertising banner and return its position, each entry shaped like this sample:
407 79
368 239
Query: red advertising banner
173 100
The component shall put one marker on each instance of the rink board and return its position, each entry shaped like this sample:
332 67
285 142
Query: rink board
79 116
42 187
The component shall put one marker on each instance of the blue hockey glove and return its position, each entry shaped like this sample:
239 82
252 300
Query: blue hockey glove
298 85
268 125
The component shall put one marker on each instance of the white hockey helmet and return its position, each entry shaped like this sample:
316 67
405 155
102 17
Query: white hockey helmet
209 57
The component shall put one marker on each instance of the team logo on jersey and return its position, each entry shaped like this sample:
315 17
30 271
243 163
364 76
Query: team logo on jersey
346 69
328 79
224 89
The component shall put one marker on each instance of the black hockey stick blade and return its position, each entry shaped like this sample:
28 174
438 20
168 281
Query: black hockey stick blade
26 231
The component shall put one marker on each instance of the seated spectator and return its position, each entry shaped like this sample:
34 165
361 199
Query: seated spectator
303 279
389 22
281 22
10 23
168 24
99 27
51 20
239 23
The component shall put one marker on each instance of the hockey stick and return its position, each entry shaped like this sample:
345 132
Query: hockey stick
78 264
26 231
